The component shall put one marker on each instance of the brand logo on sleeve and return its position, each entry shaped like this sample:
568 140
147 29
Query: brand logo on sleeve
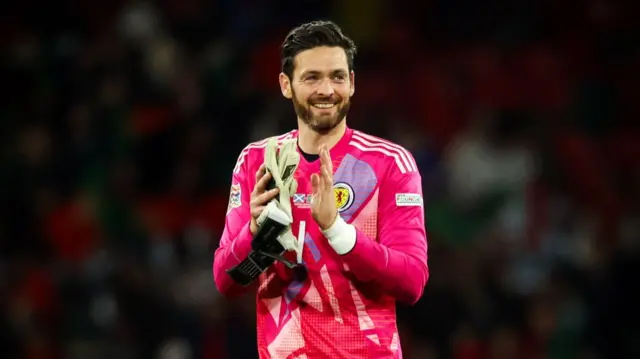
344 196
408 199
235 197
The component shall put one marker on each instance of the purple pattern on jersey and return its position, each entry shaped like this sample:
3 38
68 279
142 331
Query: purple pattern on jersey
293 290
315 252
361 177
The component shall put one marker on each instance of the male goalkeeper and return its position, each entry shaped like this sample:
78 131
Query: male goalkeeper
352 239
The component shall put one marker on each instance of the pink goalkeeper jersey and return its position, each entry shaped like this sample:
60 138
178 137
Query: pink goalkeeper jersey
345 307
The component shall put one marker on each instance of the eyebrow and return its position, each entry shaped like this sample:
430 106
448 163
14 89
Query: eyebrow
316 72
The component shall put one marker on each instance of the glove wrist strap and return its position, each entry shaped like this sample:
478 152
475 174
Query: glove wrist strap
341 236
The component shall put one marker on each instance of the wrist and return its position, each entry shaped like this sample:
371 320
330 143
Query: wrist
330 224
253 226
341 236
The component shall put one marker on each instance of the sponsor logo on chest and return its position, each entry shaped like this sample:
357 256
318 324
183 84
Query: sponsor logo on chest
342 191
302 200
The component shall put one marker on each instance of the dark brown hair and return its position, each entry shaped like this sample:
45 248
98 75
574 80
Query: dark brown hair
314 34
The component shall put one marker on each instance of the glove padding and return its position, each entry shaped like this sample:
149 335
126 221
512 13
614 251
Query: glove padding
282 165
274 235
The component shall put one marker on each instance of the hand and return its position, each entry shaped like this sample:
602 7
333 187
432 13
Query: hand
260 197
323 203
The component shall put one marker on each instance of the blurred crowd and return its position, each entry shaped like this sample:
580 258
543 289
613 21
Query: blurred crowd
121 122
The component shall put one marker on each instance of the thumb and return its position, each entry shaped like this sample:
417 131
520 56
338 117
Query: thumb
315 183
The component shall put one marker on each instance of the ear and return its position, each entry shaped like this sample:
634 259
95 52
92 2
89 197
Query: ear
352 81
285 85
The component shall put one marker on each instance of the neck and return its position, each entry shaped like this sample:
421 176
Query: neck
310 140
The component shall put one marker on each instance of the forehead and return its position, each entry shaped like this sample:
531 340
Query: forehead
322 59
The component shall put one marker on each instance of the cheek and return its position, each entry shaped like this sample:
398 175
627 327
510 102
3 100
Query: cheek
344 91
302 97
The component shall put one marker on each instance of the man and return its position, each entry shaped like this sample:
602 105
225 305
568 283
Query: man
358 212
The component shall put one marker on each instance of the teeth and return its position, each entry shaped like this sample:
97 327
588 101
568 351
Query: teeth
323 105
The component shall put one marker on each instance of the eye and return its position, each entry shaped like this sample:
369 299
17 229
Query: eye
339 77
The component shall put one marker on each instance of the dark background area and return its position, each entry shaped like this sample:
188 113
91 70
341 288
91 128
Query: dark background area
121 122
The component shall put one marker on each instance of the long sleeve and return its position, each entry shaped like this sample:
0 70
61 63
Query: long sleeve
235 244
397 262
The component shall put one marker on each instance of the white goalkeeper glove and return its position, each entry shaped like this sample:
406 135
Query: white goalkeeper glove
282 165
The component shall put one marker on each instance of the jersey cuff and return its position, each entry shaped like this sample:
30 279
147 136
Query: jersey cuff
341 236
241 246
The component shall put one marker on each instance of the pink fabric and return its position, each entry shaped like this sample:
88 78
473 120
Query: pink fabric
345 308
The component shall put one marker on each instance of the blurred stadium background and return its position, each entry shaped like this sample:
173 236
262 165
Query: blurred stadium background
121 122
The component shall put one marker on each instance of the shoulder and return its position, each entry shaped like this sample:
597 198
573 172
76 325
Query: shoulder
394 157
254 151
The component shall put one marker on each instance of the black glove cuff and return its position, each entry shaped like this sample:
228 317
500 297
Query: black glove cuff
266 250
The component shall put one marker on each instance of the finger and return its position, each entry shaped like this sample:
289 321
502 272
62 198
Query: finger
325 159
263 182
315 183
321 150
260 172
256 211
264 197
327 180
321 181
267 196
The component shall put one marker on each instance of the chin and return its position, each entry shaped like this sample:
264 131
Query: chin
325 126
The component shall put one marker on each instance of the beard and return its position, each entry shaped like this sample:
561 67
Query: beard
324 123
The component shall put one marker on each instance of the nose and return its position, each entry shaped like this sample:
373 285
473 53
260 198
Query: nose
325 88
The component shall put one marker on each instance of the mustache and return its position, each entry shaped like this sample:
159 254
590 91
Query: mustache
331 99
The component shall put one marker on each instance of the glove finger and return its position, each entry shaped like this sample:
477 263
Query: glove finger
285 153
262 216
284 204
287 240
269 150
269 155
290 161
293 186
281 163
272 164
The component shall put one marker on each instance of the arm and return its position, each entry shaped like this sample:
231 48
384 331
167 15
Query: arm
235 244
398 262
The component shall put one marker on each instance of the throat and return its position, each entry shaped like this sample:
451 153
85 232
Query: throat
309 140
309 157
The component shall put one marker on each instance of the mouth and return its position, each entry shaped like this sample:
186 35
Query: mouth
324 106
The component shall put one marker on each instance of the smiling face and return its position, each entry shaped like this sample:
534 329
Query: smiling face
320 88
